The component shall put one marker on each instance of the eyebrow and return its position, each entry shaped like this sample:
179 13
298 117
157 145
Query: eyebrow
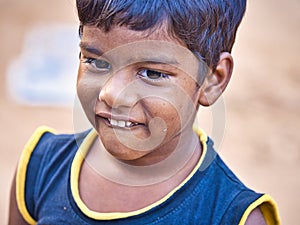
154 60
161 60
90 49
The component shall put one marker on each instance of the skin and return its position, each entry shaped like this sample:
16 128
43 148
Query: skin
121 96
103 96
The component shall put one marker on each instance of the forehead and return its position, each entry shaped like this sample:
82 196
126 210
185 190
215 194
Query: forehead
121 35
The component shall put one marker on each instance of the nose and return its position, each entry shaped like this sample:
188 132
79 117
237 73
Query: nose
119 90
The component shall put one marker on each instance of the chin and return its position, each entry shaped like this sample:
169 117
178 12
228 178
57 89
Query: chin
123 153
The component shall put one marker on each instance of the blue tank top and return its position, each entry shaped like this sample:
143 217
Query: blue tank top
47 189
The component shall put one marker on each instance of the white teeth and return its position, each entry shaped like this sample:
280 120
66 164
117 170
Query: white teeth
114 122
121 123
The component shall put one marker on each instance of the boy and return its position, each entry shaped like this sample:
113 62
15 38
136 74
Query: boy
145 67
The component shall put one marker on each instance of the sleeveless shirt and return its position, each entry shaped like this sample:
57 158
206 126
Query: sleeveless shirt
47 189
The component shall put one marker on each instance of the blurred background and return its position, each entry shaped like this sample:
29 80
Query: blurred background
39 53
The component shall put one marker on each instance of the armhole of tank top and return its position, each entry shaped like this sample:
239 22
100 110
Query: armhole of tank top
268 207
22 170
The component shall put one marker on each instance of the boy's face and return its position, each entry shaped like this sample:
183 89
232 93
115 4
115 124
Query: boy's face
139 91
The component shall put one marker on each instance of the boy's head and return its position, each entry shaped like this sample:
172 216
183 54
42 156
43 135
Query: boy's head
138 79
207 27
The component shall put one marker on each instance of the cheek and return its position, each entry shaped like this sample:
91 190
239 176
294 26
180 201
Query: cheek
167 111
181 109
87 91
88 85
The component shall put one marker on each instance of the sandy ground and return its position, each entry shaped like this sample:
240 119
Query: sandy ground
261 141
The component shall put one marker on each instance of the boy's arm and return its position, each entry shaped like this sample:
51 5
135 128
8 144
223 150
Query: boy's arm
255 218
15 217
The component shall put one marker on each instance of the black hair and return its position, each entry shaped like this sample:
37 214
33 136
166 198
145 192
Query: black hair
208 27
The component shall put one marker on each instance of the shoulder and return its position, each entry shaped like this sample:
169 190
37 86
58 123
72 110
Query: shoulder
46 149
262 211
255 218
45 141
41 158
20 208
256 208
235 201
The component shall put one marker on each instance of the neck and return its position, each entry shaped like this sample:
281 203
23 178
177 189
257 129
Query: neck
182 160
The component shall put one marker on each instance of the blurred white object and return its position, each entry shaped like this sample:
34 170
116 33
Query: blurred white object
45 72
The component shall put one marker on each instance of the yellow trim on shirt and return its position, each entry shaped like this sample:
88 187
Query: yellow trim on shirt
75 172
268 208
22 169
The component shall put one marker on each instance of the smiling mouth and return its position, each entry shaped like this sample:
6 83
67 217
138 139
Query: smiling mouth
118 121
121 123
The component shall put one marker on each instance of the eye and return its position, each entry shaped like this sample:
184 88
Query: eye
98 64
152 74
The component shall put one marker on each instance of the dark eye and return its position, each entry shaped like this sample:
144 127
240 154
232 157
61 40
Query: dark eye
152 74
99 64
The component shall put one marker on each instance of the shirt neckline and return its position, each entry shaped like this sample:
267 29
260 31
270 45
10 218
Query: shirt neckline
75 173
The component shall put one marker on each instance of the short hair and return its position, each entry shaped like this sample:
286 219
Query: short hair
208 27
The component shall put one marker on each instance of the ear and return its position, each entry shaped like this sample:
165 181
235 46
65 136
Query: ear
216 81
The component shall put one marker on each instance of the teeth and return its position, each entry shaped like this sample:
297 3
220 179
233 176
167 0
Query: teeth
121 123
114 122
